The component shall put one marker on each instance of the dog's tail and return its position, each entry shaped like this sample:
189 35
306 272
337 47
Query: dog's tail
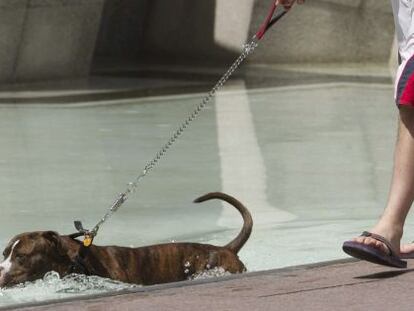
244 234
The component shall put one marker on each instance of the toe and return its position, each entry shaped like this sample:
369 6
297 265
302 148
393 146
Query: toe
381 246
373 243
359 239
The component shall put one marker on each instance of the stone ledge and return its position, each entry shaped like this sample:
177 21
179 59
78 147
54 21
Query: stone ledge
47 39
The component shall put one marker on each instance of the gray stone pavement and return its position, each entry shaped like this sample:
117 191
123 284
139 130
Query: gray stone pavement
338 285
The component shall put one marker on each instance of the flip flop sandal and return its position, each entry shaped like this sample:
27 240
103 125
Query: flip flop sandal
373 254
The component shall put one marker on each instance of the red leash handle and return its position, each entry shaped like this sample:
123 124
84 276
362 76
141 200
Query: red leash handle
270 20
263 28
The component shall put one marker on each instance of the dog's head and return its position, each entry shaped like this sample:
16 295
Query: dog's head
29 256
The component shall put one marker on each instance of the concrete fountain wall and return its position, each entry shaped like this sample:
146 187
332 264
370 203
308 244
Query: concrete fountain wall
330 31
47 39
319 31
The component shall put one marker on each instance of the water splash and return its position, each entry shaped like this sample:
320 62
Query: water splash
210 273
52 286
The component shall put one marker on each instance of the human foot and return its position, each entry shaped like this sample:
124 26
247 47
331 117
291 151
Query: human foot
393 237
375 248
385 240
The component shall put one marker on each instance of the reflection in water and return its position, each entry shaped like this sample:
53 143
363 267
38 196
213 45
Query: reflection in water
243 172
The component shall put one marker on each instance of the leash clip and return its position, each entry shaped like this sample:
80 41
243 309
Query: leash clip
87 235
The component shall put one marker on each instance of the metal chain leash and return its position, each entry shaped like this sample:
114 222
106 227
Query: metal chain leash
133 186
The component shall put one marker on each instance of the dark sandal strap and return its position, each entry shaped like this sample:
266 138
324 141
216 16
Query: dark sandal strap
381 239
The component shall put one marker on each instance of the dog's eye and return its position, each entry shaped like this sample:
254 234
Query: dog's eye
20 257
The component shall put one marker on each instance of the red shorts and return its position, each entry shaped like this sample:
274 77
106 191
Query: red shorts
404 92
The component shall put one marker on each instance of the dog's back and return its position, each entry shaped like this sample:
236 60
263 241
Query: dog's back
171 262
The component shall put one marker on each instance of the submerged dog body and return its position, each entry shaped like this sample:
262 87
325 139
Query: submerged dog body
29 256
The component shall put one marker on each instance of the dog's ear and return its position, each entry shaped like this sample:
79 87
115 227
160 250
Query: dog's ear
54 239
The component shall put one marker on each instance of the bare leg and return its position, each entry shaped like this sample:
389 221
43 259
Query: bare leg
401 195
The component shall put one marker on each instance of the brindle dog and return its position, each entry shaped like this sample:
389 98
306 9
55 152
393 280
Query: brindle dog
29 256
